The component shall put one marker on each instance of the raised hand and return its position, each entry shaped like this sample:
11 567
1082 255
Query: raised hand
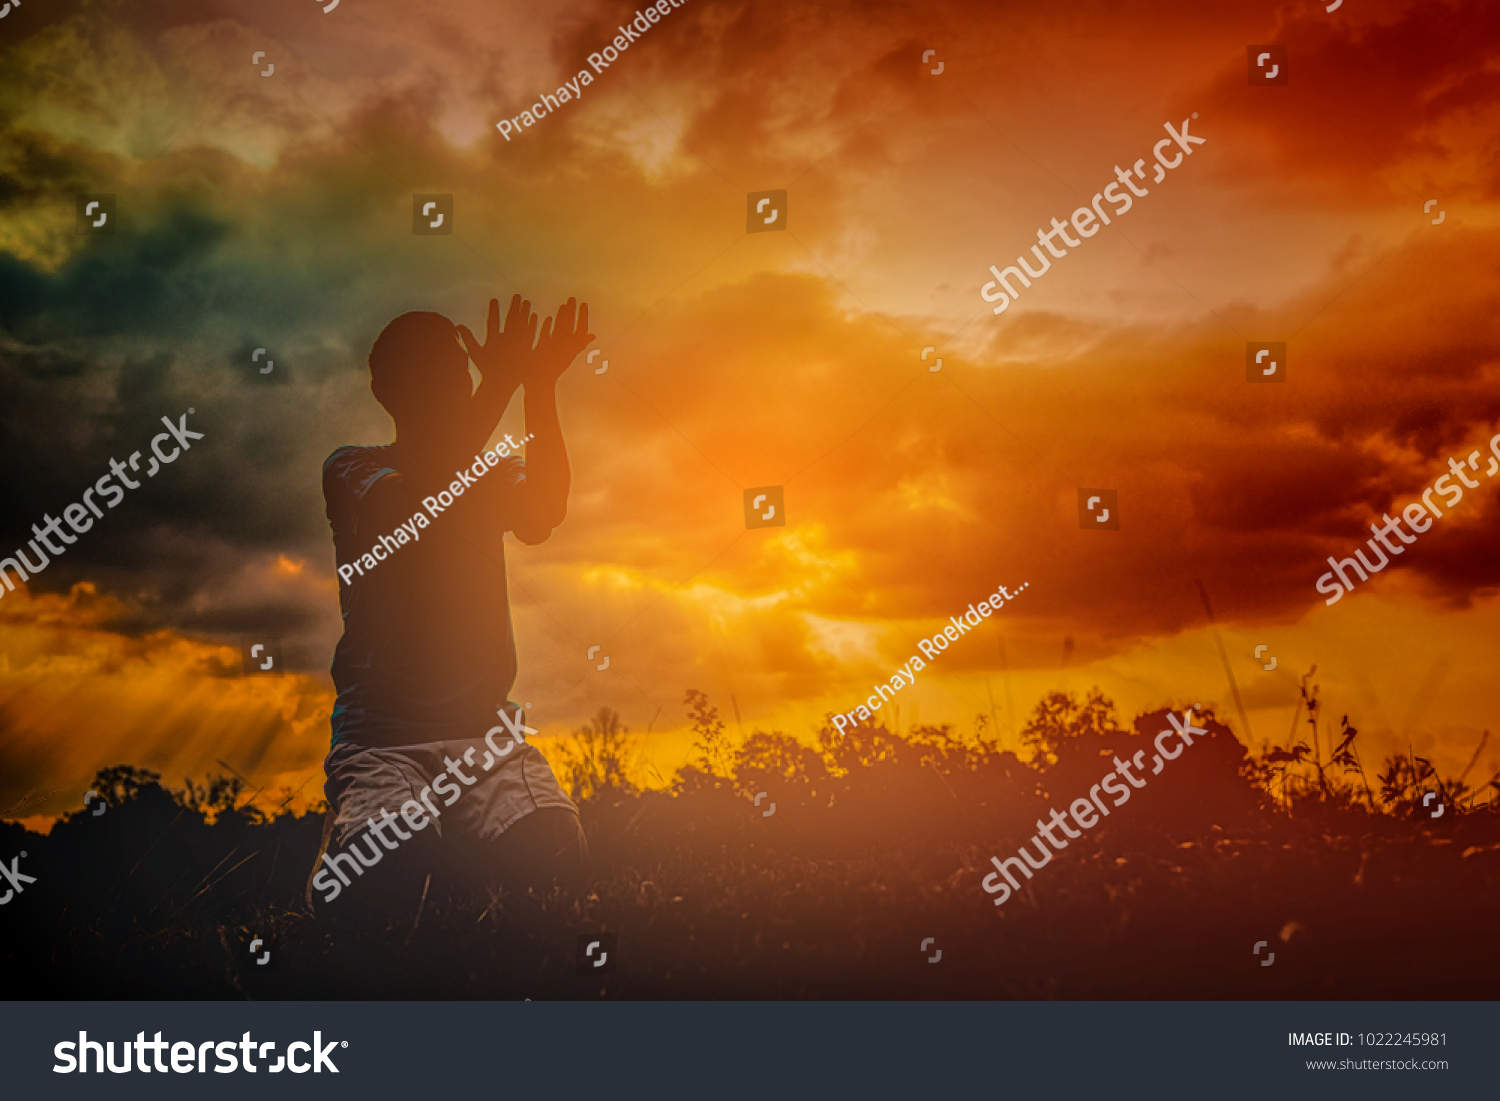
560 342
502 360
502 351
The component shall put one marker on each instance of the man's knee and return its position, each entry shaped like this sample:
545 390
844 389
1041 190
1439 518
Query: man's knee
547 846
358 877
562 835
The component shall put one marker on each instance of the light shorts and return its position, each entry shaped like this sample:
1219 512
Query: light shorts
495 782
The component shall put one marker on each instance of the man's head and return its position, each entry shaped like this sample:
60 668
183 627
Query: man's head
419 371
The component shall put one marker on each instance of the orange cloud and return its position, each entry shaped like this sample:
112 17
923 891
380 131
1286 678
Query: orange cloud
75 696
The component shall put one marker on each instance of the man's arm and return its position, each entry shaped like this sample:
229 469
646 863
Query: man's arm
543 496
541 500
501 360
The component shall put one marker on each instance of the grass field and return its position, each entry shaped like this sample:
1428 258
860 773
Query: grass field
877 843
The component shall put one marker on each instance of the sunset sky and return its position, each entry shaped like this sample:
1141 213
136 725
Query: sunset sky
276 212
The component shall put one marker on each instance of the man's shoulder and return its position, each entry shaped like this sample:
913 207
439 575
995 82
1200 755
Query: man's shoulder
350 471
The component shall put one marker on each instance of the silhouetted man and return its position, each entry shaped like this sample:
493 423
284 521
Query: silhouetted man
422 779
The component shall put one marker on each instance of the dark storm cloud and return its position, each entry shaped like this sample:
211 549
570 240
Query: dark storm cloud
94 354
26 20
140 280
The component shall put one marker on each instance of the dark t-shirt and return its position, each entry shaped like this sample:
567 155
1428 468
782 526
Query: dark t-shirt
428 652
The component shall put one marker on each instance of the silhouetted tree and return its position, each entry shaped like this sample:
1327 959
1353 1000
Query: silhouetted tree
596 762
121 783
1058 716
215 795
862 746
765 761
